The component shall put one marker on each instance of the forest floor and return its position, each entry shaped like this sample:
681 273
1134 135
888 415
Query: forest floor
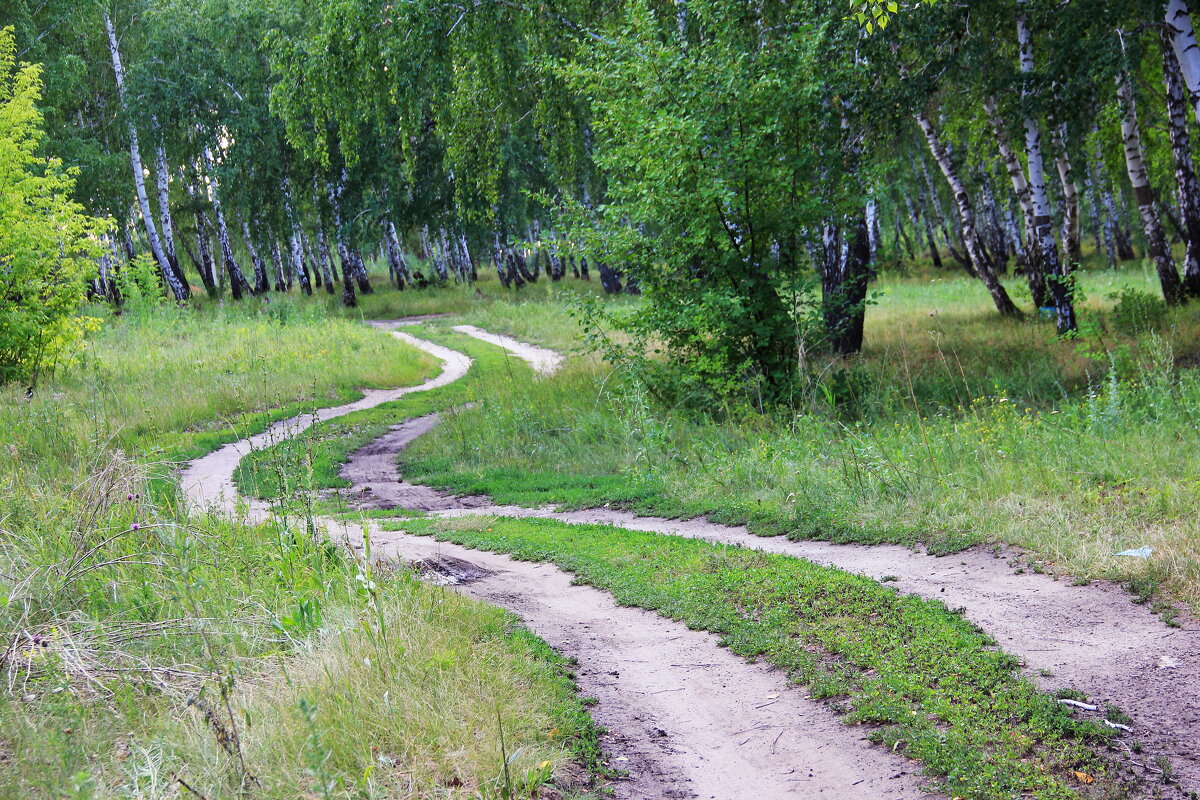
887 592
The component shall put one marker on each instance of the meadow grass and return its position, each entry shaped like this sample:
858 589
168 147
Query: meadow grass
145 648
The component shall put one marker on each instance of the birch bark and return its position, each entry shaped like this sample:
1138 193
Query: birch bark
1187 186
177 287
1135 165
966 215
1042 237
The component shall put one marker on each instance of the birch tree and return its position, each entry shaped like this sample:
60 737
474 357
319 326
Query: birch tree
1042 237
177 287
1187 186
1135 164
966 216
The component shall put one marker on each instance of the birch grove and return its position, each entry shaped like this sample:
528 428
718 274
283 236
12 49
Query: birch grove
509 142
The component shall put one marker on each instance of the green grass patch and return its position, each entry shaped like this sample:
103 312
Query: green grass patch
926 682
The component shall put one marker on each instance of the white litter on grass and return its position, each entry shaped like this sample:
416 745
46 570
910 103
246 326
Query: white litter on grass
1145 551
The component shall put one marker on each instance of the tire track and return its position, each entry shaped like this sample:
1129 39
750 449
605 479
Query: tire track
686 717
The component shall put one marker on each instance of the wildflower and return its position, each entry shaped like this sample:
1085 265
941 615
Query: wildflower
134 526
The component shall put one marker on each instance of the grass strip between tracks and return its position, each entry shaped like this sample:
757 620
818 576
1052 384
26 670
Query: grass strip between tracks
927 682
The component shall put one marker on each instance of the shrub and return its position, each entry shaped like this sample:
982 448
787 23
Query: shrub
1137 311
48 245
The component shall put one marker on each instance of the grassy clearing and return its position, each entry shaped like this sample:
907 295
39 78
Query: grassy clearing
960 429
927 682
144 646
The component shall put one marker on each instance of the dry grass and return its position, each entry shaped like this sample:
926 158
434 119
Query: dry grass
408 700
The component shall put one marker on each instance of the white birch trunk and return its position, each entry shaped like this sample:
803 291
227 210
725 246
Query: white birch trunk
966 215
1135 165
1042 237
349 298
1187 52
324 258
873 228
261 283
162 176
237 281
139 181
1187 186
1072 246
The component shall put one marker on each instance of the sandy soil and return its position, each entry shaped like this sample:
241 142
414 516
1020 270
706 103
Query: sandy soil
1091 638
542 360
685 717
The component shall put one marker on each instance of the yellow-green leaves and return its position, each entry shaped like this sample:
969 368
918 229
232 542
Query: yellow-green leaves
47 243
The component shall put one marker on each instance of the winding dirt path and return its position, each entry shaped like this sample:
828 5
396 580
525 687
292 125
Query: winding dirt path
686 717
1090 638
207 482
542 360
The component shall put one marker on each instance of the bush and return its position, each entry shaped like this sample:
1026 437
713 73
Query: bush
48 245
1137 311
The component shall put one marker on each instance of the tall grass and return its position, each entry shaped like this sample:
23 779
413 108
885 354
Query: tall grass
145 649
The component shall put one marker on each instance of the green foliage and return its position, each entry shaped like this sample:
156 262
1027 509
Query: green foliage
718 237
1137 311
48 246
874 15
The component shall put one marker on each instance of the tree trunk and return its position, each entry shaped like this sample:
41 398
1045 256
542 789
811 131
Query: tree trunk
349 298
360 271
1112 224
164 216
1072 246
261 283
873 228
1187 186
206 265
610 279
966 214
1042 237
933 203
280 269
395 254
845 274
237 281
310 258
997 241
177 287
1100 232
498 260
919 215
1156 241
1187 53
1016 175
